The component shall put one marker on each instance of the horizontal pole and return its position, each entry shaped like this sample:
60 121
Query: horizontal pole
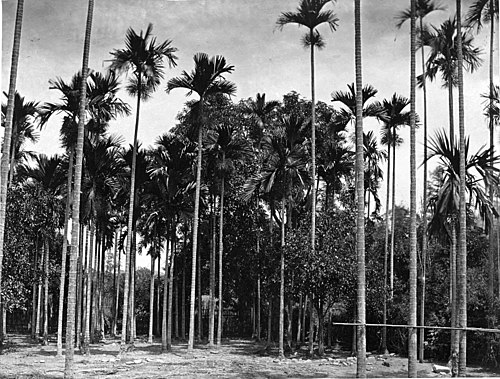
468 329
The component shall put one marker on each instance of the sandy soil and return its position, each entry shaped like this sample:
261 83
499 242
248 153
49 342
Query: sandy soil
235 359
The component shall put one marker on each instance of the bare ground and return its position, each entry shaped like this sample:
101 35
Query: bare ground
245 359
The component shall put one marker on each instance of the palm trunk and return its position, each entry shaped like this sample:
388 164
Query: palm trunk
198 299
211 316
115 256
195 230
412 316
393 217
5 160
303 337
269 322
258 311
170 290
89 280
491 261
79 291
386 251
360 220
164 322
321 333
221 251
69 369
299 321
117 295
453 288
151 300
282 280
158 296
182 312
132 289
130 226
462 244
313 149
311 326
46 294
424 214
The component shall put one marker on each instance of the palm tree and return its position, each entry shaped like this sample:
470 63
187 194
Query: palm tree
144 57
5 160
373 172
47 176
360 200
487 11
443 57
228 148
69 369
412 316
396 117
102 106
25 120
206 80
310 14
423 8
446 202
462 219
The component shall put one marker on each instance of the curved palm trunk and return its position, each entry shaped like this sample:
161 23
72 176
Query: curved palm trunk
130 227
282 280
4 164
360 219
424 214
462 244
62 280
221 250
412 317
386 250
69 370
195 231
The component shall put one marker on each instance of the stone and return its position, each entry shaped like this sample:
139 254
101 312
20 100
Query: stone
441 369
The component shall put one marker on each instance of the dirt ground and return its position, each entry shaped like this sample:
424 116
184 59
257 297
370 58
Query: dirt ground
245 359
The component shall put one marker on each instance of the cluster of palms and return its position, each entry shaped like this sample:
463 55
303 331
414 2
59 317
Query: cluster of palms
112 194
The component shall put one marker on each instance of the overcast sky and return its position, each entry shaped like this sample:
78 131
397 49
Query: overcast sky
244 32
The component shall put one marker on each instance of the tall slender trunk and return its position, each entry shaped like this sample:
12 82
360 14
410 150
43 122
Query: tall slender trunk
132 289
491 256
69 369
64 254
151 300
5 160
258 311
282 280
89 280
386 250
424 213
303 337
211 316
221 251
85 305
453 287
183 297
412 316
46 293
39 306
117 295
166 279
170 290
130 225
313 149
462 244
115 256
311 325
393 217
165 299
79 290
360 219
176 313
158 296
269 322
321 333
198 299
299 321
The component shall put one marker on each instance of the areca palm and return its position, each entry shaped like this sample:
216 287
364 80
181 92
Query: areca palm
373 172
25 120
228 148
47 175
479 167
6 146
207 79
311 14
260 110
443 57
396 117
144 58
102 106
479 12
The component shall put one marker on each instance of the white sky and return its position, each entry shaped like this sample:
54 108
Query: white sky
243 31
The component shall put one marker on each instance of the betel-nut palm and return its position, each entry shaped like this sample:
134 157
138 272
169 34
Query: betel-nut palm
143 56
206 79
